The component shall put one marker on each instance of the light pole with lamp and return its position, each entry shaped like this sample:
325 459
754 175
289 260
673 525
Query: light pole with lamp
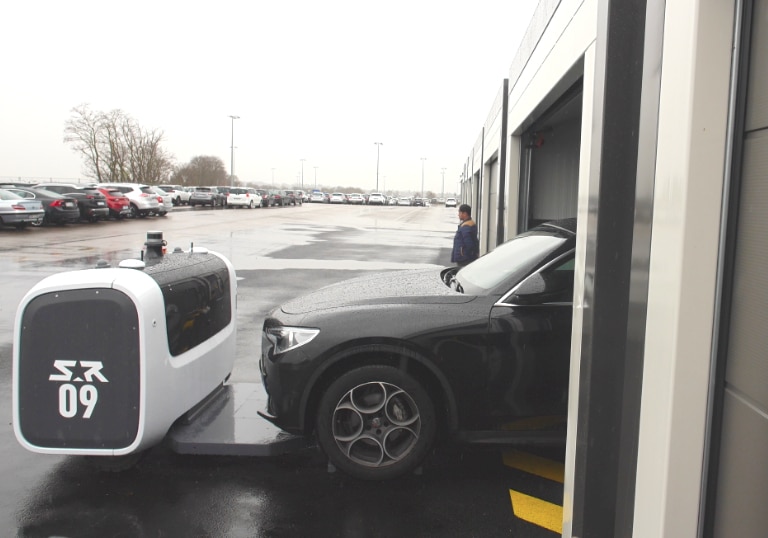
378 147
422 177
442 192
232 154
302 173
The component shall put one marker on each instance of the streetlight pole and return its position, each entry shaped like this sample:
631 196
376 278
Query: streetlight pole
316 167
302 173
422 176
378 147
442 192
232 154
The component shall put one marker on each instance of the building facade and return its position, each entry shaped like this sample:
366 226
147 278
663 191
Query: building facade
648 121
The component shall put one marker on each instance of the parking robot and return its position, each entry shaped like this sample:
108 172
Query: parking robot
107 359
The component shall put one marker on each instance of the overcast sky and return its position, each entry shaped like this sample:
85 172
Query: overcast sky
310 79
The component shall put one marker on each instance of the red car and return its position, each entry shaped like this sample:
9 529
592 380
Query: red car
118 203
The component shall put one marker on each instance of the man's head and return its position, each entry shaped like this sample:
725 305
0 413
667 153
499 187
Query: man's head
465 211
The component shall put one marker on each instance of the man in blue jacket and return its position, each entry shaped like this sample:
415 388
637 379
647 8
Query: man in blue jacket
466 247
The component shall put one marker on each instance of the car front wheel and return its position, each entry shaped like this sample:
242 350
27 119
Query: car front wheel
375 423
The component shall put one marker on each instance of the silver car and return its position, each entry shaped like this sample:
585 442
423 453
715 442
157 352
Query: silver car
164 200
19 212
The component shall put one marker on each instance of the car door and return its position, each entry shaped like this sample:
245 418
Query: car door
530 340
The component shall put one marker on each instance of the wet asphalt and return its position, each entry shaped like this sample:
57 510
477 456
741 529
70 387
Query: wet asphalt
278 253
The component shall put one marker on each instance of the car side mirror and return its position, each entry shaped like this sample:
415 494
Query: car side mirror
530 289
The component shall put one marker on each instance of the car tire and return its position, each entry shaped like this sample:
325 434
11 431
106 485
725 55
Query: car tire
375 423
134 212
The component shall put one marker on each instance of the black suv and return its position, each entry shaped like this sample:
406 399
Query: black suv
91 202
379 372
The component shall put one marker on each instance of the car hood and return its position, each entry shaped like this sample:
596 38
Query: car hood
417 286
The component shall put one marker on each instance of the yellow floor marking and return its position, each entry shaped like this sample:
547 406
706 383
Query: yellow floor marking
536 511
539 466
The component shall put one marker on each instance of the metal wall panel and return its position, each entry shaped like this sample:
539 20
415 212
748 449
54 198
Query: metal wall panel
747 370
757 108
742 474
743 484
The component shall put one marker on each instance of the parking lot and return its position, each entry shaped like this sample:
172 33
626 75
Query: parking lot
278 253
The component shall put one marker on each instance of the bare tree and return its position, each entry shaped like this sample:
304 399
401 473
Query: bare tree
83 130
114 147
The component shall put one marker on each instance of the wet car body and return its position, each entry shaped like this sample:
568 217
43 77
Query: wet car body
164 201
19 212
59 209
118 203
204 196
92 203
486 365
243 197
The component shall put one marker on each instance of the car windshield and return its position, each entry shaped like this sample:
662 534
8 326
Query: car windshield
237 191
511 261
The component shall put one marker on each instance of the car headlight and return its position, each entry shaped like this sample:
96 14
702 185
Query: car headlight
286 338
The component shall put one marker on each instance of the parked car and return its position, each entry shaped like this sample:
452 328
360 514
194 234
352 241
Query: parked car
91 202
19 212
222 192
59 209
392 200
404 200
204 196
337 198
179 194
316 196
376 198
378 371
450 202
265 198
164 201
418 202
302 195
142 198
278 198
117 202
356 198
243 197
293 197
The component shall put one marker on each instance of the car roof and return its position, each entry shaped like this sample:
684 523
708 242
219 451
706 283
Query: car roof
567 225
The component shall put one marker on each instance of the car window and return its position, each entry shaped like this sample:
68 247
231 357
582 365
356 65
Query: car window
553 284
8 195
509 262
